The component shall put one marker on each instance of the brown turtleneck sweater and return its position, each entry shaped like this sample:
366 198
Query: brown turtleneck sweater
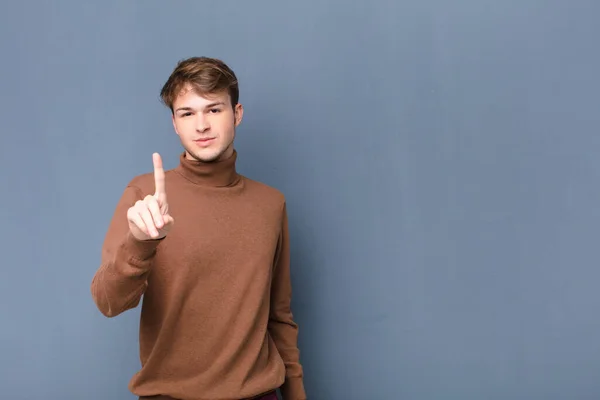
216 321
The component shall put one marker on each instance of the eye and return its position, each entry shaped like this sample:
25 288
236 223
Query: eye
187 114
215 110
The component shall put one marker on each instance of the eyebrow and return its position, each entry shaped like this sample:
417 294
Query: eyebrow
217 103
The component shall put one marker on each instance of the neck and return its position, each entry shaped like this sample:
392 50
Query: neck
217 174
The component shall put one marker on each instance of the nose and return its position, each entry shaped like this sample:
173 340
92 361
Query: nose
202 124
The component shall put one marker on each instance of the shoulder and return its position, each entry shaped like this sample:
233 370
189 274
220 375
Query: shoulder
269 195
262 189
143 184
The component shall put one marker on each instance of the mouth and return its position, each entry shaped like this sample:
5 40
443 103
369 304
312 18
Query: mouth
203 142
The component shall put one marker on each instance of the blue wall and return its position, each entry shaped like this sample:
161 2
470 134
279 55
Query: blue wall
440 159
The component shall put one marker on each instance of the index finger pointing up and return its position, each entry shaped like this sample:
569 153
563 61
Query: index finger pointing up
159 176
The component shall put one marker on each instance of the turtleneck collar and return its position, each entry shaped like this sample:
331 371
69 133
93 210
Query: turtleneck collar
217 174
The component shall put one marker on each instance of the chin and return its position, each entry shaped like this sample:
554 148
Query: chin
208 159
207 155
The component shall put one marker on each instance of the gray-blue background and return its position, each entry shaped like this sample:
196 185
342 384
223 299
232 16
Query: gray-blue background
440 161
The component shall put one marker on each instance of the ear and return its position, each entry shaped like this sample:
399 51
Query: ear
239 113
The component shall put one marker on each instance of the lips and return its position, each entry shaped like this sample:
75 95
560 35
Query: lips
204 141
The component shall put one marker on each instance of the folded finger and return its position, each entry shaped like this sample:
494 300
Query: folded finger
154 209
138 221
146 216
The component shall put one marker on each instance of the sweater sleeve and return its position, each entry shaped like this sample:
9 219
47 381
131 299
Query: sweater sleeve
282 328
121 279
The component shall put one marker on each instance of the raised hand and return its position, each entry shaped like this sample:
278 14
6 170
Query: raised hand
149 218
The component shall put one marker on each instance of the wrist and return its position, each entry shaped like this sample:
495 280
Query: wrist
141 249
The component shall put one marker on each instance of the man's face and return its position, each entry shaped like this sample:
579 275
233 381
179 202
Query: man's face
206 125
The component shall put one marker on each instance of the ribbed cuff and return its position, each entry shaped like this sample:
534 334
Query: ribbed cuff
140 250
293 389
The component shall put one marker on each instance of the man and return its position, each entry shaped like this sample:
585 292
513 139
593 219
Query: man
208 249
